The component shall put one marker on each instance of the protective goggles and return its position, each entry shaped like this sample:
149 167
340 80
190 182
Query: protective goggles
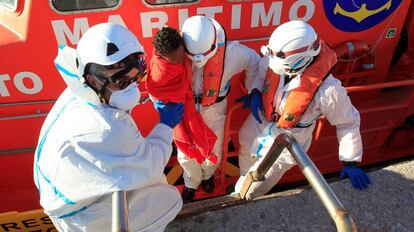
266 50
135 60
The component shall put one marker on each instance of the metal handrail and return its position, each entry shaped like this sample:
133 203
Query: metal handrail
341 217
37 115
120 213
28 103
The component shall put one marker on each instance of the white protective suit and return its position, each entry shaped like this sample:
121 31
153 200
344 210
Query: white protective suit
237 58
88 150
331 100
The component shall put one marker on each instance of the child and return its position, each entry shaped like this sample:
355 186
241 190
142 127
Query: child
168 81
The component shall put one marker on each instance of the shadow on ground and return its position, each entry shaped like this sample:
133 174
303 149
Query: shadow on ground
388 205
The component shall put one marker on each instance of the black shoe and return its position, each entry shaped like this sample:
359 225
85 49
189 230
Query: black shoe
188 194
208 185
230 189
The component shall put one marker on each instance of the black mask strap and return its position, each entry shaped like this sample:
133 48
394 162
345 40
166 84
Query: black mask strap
101 92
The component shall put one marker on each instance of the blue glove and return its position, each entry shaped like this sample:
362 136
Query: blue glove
254 101
170 113
358 177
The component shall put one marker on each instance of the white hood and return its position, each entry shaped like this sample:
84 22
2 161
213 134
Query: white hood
65 63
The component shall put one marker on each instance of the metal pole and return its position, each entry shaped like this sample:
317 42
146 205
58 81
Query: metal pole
341 217
120 213
336 210
258 175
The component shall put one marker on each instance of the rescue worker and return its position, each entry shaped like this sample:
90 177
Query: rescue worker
90 147
213 63
169 81
298 89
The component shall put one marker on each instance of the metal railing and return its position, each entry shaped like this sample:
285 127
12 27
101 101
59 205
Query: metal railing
120 213
341 217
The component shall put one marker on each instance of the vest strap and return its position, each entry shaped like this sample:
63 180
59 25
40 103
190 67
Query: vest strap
198 99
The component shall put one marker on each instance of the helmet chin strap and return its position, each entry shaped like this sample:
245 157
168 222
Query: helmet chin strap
298 71
291 76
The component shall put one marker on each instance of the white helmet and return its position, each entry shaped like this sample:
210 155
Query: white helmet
292 47
200 38
106 44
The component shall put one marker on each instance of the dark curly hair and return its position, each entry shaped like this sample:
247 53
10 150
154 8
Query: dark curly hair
166 40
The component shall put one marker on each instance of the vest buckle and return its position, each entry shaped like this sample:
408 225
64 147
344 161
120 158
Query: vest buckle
274 117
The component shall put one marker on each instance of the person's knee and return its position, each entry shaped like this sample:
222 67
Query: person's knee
258 189
176 202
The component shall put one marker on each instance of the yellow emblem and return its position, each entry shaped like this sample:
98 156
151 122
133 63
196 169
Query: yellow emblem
362 13
289 117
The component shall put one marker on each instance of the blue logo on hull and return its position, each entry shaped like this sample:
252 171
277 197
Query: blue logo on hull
358 15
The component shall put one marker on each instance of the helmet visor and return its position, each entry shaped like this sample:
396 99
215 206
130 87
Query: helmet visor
283 55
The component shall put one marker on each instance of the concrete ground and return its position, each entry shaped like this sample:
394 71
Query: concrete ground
388 205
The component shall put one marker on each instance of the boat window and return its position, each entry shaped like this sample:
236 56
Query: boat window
165 2
9 4
76 5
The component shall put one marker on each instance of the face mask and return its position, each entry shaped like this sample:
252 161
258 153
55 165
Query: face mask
276 67
199 60
200 64
125 99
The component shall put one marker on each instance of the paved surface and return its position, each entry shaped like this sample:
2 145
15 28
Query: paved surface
388 205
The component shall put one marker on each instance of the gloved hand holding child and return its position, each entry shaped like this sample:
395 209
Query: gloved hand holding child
170 113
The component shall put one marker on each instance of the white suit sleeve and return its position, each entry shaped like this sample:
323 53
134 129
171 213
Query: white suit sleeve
125 158
261 73
89 152
244 58
339 111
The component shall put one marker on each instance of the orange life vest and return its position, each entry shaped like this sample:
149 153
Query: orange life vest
212 76
299 98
